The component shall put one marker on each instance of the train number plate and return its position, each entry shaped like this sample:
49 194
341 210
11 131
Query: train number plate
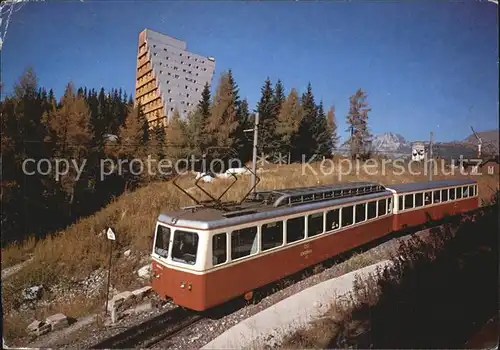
307 250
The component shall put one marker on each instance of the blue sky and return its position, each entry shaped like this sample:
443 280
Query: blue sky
426 66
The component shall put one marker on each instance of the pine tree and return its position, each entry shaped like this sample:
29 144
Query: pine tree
133 135
332 127
20 140
157 147
289 119
204 104
69 128
321 133
195 143
222 124
235 89
305 142
357 120
51 96
267 119
132 145
279 97
176 137
195 124
245 122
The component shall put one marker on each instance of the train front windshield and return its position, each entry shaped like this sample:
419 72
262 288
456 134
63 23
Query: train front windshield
162 241
184 247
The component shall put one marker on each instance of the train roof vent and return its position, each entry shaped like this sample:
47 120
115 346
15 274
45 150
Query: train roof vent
297 196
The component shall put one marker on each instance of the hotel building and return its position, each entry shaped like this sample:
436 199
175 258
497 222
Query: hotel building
169 77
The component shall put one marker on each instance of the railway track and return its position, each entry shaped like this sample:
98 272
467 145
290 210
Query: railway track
152 331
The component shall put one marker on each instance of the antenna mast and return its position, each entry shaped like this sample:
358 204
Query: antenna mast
480 142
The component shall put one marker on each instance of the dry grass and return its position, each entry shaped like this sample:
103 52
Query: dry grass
15 324
18 253
82 248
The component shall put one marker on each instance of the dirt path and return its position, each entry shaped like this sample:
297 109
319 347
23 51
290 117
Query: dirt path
59 338
9 271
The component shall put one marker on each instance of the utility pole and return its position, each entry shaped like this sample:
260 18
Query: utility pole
430 156
254 154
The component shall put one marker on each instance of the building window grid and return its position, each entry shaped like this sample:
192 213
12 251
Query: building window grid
149 85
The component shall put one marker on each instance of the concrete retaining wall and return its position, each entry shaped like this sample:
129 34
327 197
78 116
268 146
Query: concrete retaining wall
293 313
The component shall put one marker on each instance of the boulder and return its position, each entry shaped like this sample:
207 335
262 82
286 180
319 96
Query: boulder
38 328
141 292
32 293
145 271
33 326
127 253
57 321
121 301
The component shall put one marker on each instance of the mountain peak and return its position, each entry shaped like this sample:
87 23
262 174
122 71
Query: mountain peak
389 141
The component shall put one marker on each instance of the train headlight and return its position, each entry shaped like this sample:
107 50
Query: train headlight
183 285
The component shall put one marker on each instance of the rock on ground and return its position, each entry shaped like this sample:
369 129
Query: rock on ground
38 328
32 293
145 271
121 300
57 321
142 292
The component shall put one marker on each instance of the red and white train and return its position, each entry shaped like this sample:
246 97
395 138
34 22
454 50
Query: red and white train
203 257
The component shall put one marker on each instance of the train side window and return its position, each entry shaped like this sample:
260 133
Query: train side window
444 195
471 191
271 235
314 224
243 242
389 205
382 208
419 199
437 196
428 198
162 241
332 219
360 212
372 210
219 249
400 201
295 229
347 216
466 191
452 194
409 201
459 192
185 247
